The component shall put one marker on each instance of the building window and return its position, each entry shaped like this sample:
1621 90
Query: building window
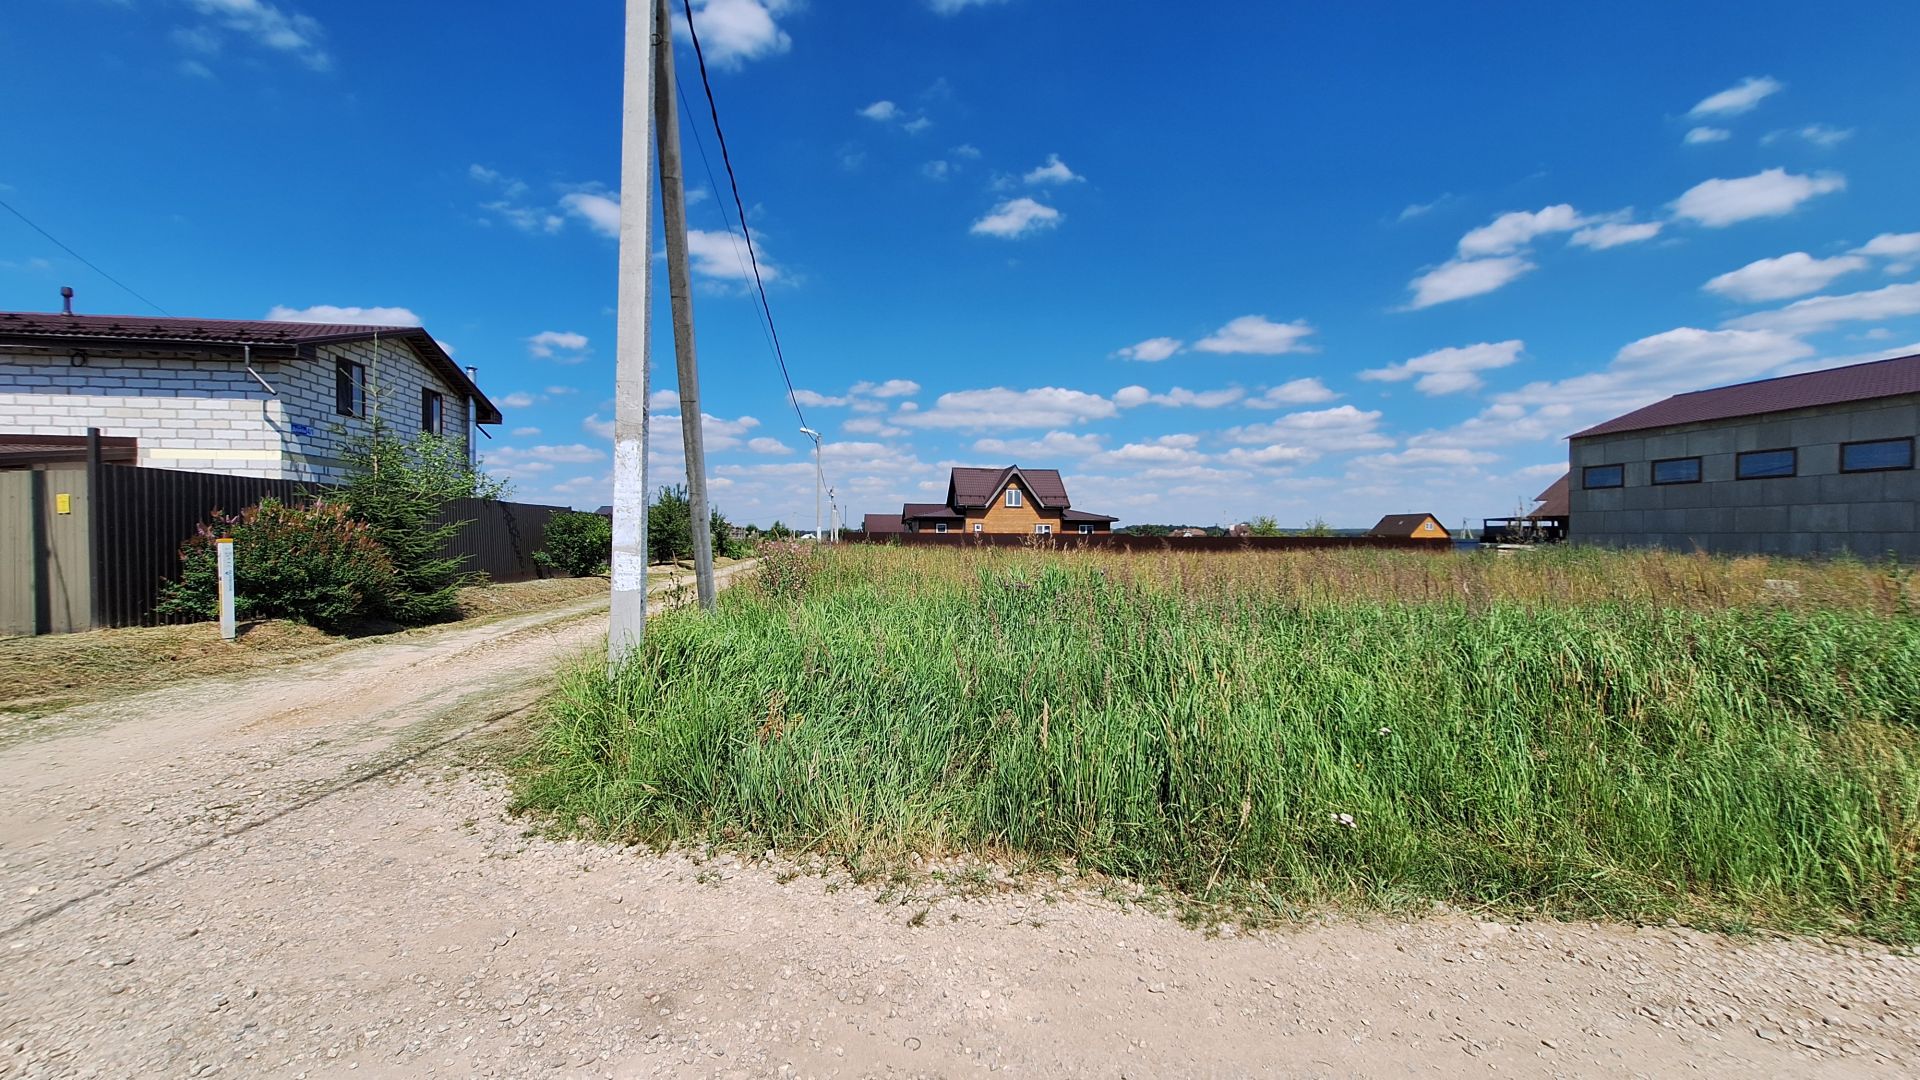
349 388
432 411
1604 476
1013 496
977 527
1086 530
1043 529
939 526
1764 464
1684 470
1880 455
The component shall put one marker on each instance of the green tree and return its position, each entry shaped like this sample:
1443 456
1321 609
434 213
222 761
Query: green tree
1264 525
403 490
578 544
670 537
1317 527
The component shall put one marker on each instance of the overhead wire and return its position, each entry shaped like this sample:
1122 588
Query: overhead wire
83 259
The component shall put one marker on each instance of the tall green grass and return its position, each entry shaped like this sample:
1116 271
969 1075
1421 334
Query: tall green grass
1220 731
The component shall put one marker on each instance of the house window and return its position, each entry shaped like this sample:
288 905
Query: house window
1685 470
432 411
939 526
1879 455
1043 529
1086 530
977 527
349 388
1604 476
1013 496
1763 464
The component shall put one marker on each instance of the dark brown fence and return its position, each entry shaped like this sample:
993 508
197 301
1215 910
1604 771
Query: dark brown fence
1130 542
146 514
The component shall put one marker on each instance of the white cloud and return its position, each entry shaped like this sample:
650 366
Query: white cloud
1054 444
1414 210
1822 135
1165 450
1267 456
722 255
345 316
892 388
811 399
519 399
1015 218
880 110
1715 203
1294 392
1699 135
266 25
735 31
525 432
872 425
1450 370
1739 98
1052 171
1428 457
764 445
1892 245
602 428
916 125
1458 279
1258 336
1614 233
564 346
1642 372
601 212
1340 428
1794 274
570 454
999 407
663 400
952 7
1151 350
936 170
717 434
1516 229
966 150
1130 397
1824 312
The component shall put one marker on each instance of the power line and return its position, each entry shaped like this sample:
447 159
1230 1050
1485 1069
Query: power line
83 258
719 203
740 206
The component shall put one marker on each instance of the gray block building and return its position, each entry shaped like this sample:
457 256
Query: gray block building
1820 463
245 398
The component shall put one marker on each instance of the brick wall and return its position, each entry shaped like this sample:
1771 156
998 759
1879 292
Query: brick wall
208 415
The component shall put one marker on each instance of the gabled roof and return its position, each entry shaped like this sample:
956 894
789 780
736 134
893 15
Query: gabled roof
1554 502
882 524
1082 515
1855 382
1402 524
970 487
232 334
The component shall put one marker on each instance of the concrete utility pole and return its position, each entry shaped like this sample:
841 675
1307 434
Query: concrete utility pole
673 208
633 332
819 480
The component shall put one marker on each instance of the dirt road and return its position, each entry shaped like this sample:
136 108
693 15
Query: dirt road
305 876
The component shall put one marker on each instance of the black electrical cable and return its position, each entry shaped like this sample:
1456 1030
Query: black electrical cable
83 259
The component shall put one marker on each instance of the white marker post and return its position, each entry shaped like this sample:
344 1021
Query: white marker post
224 546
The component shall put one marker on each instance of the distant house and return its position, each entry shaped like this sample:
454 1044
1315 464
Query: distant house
882 525
1545 523
268 399
1411 527
1816 463
998 501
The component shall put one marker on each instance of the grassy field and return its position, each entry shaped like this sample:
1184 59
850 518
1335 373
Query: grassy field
1641 736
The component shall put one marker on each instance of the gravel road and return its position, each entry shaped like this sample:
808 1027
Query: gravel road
311 876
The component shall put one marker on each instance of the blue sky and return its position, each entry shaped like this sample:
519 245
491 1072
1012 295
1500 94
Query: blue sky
1210 261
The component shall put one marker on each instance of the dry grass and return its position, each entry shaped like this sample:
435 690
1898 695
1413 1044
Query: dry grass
40 675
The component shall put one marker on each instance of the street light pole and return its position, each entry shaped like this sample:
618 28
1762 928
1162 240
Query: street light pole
819 481
633 333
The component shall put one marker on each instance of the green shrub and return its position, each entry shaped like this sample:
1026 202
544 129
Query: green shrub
577 544
308 562
670 537
402 489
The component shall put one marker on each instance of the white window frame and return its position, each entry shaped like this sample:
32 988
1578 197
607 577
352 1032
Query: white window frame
978 527
1086 530
939 526
1043 528
1013 496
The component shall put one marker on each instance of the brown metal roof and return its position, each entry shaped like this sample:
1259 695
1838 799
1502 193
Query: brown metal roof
1554 502
930 510
879 524
1855 382
1402 525
975 487
21 451
233 333
1082 515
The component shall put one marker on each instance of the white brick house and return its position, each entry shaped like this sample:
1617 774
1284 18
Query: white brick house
272 399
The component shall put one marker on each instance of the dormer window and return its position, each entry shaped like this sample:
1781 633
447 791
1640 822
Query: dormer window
1013 496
